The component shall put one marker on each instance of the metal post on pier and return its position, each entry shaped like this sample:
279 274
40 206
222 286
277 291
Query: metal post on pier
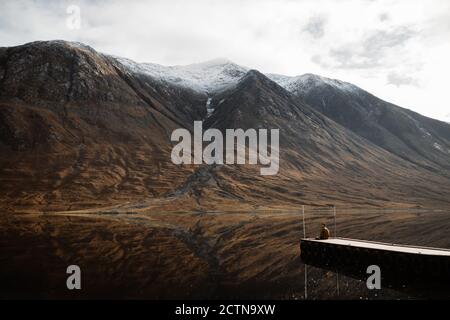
306 267
334 214
306 281
304 227
335 236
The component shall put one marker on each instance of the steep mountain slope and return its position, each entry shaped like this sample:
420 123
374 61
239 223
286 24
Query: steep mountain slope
409 135
80 129
319 159
413 137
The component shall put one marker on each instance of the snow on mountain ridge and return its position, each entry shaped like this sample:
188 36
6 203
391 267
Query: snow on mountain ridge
214 75
205 77
304 83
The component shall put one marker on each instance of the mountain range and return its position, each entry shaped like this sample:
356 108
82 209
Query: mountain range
82 130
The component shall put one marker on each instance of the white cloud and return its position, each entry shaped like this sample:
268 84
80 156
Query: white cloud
398 80
395 49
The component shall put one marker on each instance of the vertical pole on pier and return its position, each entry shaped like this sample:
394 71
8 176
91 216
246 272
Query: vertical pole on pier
306 281
334 214
303 217
337 283
335 235
306 267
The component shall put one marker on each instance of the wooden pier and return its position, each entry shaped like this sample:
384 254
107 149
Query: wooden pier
406 267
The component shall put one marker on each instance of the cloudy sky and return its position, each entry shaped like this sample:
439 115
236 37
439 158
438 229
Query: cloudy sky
397 49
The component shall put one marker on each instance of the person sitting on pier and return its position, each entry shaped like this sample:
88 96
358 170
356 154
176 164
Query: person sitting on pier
324 233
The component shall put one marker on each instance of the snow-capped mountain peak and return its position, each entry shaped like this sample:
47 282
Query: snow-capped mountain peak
205 77
304 83
217 74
